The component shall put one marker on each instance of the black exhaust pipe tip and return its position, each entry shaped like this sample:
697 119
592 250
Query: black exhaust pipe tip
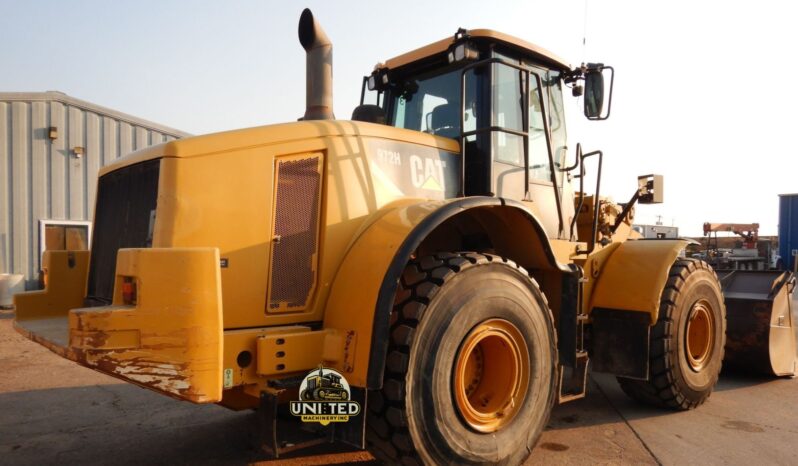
307 31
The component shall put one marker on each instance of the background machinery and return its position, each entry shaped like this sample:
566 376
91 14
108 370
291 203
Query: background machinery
758 300
432 250
747 254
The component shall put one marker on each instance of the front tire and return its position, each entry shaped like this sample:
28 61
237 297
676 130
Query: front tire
471 369
686 348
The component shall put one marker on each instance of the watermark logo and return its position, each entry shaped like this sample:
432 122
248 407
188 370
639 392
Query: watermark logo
324 397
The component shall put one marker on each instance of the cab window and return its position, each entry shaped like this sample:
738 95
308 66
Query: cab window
508 113
539 165
557 122
431 105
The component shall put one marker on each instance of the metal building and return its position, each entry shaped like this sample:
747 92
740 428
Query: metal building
51 148
657 231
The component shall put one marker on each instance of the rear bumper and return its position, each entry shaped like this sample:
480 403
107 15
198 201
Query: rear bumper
170 340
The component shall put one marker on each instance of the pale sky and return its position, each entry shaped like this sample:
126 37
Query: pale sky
704 92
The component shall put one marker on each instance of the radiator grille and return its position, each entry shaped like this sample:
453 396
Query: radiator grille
295 233
126 200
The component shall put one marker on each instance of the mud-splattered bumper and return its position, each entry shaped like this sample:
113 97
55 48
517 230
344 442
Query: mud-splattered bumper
169 340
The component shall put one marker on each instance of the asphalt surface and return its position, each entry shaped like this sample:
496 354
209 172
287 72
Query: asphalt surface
55 412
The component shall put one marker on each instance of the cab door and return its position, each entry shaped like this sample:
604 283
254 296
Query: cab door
522 163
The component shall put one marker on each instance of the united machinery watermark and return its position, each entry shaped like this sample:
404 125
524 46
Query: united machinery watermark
324 398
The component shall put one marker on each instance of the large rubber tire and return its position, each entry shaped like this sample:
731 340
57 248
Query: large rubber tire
673 383
414 418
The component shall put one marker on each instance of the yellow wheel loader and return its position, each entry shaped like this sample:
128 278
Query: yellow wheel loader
436 251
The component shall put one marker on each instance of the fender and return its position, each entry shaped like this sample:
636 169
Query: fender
362 294
640 269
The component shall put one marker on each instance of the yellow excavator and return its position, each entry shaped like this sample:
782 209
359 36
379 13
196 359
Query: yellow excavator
436 250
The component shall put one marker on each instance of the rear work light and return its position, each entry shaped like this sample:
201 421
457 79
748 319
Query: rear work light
129 291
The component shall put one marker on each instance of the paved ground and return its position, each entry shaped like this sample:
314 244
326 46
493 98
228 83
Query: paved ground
55 412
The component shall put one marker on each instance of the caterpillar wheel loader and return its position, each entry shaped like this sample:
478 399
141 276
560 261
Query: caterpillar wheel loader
436 251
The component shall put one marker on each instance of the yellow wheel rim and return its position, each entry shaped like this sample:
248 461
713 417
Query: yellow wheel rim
700 335
491 375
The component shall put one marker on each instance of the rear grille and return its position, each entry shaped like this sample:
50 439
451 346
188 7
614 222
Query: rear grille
296 224
126 200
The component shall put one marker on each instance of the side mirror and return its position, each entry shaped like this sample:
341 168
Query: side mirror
595 91
650 189
594 94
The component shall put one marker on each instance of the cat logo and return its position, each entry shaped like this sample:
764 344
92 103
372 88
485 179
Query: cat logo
324 395
427 173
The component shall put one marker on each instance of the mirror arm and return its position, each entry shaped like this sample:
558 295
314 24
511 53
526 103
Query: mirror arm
626 209
609 96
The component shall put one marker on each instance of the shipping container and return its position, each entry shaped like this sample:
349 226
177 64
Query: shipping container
51 148
788 229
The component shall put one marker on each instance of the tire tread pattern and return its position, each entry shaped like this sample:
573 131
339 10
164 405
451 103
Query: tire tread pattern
387 434
660 389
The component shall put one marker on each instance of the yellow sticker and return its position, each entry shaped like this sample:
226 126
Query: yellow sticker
228 378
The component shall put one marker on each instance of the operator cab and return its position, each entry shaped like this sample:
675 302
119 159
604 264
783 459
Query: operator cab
501 98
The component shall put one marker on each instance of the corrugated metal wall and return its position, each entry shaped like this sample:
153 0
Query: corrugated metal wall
43 178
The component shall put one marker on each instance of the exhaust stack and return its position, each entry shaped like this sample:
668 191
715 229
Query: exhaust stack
319 101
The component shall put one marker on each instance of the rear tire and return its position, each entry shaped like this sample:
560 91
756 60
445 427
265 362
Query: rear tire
442 302
686 347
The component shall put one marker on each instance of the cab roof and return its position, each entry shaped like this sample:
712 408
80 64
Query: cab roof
489 34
